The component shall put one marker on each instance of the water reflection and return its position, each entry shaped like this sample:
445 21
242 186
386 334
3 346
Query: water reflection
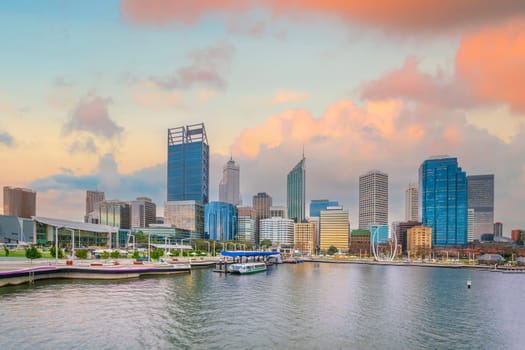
304 306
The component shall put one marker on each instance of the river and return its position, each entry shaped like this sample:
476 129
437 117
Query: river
304 306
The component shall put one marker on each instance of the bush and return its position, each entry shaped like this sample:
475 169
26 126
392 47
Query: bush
136 254
81 253
157 253
6 250
115 254
331 250
105 255
175 252
33 253
52 251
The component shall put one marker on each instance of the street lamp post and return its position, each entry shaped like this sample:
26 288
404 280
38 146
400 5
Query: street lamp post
56 244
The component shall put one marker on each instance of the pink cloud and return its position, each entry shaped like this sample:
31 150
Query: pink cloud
412 16
208 67
489 70
408 82
492 62
344 122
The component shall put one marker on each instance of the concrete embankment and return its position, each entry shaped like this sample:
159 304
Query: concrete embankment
13 273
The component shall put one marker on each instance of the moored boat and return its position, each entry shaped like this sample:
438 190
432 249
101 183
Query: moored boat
246 268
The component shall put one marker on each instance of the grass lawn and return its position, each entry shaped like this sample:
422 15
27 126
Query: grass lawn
21 253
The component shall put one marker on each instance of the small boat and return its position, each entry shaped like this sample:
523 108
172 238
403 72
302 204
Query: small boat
247 268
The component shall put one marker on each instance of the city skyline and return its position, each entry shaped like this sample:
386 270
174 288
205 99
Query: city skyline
359 89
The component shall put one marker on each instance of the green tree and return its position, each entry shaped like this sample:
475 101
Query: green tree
105 255
6 250
81 253
115 254
266 243
52 251
332 250
157 253
136 254
175 252
140 237
33 253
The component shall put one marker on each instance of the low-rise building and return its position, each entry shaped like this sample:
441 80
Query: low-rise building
419 241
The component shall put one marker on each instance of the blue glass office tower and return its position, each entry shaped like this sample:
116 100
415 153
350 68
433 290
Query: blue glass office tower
296 191
188 164
444 200
316 205
220 221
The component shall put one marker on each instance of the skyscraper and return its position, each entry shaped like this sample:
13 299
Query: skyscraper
143 212
373 199
220 221
411 203
92 200
185 215
19 202
261 203
229 185
188 164
481 200
296 191
444 200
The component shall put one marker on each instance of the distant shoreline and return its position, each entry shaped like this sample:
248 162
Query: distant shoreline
403 263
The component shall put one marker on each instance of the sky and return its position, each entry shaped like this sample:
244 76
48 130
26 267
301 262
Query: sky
89 89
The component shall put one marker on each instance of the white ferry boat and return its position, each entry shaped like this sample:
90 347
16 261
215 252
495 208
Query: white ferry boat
247 268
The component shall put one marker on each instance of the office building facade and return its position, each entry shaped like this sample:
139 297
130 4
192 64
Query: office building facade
246 226
481 201
400 229
373 199
188 164
278 230
304 237
444 200
185 215
261 202
360 243
316 205
143 212
419 241
220 221
229 187
20 202
296 191
115 213
92 200
411 203
278 212
334 229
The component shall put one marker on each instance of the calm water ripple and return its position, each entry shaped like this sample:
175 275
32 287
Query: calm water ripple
305 306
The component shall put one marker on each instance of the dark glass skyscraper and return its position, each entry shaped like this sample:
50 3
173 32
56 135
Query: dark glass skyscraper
481 200
188 164
296 190
444 200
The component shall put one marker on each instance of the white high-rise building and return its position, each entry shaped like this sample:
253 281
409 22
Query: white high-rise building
229 185
411 203
373 199
278 230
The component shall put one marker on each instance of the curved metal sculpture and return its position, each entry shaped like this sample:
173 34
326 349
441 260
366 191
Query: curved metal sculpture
383 251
